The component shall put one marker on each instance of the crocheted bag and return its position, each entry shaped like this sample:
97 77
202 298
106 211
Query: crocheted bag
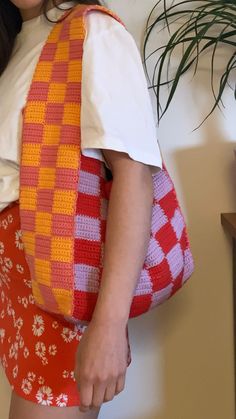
64 195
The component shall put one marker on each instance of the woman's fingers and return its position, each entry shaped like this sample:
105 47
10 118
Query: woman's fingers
120 384
86 395
110 392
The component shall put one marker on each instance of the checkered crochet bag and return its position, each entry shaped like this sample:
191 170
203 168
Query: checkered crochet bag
64 195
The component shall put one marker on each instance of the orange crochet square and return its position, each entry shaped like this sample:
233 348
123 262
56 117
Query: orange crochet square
62 52
43 71
43 271
54 35
71 114
51 134
63 202
68 156
62 249
31 154
43 223
29 239
64 300
74 70
37 293
46 178
77 28
28 198
35 112
57 92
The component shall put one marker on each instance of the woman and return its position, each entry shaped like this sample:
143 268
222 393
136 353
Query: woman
52 365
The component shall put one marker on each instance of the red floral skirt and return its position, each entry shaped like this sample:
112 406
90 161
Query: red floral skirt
37 349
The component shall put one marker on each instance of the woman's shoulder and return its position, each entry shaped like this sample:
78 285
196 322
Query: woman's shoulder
99 23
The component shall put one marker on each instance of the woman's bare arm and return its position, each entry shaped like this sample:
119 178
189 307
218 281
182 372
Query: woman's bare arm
102 353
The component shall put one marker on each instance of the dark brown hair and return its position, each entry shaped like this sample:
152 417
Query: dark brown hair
10 26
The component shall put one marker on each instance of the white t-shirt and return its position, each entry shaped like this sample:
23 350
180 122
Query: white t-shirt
116 111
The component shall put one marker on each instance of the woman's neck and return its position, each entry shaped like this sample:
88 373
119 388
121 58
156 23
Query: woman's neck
27 14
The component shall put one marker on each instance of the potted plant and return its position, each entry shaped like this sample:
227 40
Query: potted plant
204 25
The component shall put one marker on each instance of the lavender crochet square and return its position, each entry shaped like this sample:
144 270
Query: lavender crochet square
87 228
89 183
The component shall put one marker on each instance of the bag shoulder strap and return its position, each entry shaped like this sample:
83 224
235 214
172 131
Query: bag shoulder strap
51 154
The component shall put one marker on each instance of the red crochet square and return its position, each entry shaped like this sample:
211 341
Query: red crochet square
61 275
88 205
33 132
73 92
91 165
162 275
169 204
59 71
28 220
166 237
65 178
140 304
43 246
54 113
29 176
45 200
62 225
84 304
87 252
48 156
39 90
76 49
48 52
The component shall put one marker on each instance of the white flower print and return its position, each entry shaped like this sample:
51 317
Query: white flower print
4 362
1 248
7 265
2 296
31 298
41 380
21 343
19 268
40 349
38 325
10 311
62 400
72 375
18 242
19 323
2 335
4 224
79 328
26 386
44 396
44 361
68 335
65 374
28 283
13 352
9 218
19 299
31 376
24 302
55 325
15 371
2 315
26 352
52 350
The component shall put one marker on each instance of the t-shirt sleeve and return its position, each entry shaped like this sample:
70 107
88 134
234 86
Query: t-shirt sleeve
116 111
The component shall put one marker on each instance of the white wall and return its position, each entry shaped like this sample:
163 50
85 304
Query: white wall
182 352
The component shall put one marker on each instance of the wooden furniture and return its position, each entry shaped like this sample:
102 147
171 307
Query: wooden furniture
228 221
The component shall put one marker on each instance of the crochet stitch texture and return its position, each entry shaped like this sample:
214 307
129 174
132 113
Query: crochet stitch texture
64 195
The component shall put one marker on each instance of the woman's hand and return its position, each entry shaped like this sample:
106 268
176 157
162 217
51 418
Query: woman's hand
101 363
